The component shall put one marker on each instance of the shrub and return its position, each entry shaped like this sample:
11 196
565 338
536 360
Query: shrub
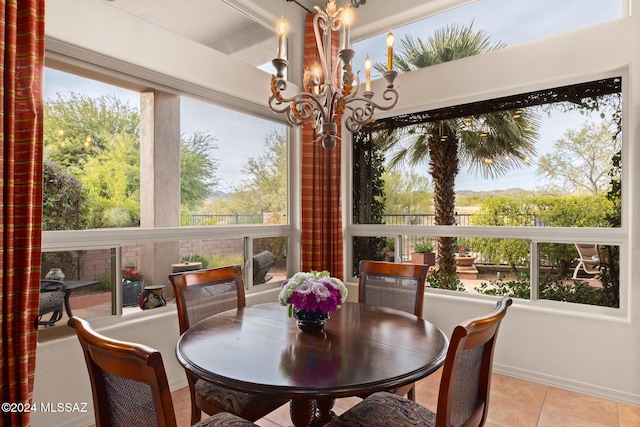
424 247
196 258
552 287
441 280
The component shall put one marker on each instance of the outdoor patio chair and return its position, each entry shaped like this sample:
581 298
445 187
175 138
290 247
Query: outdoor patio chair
588 260
200 294
52 294
463 399
262 262
397 286
129 383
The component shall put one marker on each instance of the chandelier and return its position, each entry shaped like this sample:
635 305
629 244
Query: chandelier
331 92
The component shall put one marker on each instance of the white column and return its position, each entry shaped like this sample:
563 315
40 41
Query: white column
159 181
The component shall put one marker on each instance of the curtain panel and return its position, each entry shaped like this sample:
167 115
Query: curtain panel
321 205
21 117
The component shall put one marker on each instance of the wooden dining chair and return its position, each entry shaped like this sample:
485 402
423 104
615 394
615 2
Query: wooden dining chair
200 294
129 383
394 285
463 399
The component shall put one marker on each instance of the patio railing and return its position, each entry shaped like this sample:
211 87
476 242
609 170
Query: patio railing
226 219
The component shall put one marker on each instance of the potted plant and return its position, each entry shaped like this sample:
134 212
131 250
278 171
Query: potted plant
464 257
389 249
131 285
423 253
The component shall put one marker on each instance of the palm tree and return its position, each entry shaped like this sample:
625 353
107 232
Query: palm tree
488 144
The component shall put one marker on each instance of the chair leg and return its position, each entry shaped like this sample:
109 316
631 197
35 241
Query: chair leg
196 414
575 271
411 394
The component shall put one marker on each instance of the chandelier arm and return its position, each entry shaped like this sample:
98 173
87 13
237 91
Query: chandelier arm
320 22
333 106
286 110
390 94
363 109
303 103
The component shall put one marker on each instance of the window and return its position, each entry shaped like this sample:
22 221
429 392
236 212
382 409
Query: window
574 182
248 180
547 158
92 154
98 161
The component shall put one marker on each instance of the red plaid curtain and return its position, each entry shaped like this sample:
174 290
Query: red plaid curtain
321 204
22 60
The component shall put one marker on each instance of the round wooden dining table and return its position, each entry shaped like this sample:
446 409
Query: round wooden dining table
363 349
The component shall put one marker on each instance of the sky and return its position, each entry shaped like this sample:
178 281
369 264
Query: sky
511 22
239 136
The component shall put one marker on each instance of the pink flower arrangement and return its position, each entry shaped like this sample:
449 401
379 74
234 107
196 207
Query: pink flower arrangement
463 252
314 291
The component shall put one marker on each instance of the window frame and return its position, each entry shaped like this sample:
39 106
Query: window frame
105 70
568 235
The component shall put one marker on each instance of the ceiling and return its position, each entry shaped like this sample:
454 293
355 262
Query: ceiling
245 29
235 27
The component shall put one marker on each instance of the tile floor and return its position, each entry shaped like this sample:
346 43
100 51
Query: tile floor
514 403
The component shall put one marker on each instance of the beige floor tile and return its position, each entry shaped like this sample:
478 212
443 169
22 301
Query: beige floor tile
629 415
550 418
506 412
279 417
182 406
427 390
519 390
585 407
264 422
513 403
345 404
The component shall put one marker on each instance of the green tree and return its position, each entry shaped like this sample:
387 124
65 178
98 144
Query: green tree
369 198
265 188
407 192
198 169
98 141
112 182
63 199
77 126
581 160
488 144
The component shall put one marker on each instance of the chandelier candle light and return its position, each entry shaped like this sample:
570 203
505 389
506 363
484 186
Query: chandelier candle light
330 88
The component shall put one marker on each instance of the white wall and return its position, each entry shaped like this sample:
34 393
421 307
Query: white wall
594 353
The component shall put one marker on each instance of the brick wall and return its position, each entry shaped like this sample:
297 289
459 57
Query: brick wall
96 264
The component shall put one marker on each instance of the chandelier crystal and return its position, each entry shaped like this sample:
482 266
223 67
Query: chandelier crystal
331 92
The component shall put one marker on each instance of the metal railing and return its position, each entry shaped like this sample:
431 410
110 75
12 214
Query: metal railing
422 219
226 219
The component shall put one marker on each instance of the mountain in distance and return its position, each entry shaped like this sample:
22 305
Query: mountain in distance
219 195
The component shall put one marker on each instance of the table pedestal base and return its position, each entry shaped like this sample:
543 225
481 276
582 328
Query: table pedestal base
311 413
302 412
324 412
